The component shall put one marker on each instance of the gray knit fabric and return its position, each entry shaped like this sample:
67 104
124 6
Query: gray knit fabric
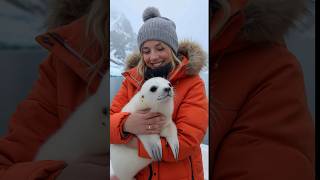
159 28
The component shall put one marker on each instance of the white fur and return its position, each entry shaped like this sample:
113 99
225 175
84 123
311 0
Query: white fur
125 160
83 135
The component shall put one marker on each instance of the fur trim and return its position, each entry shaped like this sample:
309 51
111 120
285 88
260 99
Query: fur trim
132 60
196 56
63 12
269 20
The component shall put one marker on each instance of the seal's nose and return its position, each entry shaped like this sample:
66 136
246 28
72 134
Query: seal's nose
168 89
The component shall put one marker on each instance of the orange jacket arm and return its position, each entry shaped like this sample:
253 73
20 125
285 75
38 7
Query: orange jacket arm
272 136
34 120
117 118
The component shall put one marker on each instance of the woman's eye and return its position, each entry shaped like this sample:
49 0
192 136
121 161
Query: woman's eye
145 52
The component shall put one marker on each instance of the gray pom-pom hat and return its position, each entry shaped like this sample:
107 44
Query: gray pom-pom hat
159 28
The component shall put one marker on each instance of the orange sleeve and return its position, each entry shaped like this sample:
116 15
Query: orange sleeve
48 170
191 121
273 134
34 120
117 118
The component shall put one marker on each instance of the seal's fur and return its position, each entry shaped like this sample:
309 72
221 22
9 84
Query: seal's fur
156 94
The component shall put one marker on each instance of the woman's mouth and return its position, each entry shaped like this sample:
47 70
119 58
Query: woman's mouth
157 64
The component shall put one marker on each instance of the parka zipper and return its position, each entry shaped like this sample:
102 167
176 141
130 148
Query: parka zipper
151 173
192 176
61 41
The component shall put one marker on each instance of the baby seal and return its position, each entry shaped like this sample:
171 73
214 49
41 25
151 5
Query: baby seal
157 95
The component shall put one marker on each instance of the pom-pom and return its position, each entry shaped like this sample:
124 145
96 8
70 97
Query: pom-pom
150 12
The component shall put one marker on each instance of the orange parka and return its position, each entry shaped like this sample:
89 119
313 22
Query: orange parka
261 126
190 116
61 87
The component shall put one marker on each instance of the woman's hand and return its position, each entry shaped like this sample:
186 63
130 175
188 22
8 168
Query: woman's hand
144 122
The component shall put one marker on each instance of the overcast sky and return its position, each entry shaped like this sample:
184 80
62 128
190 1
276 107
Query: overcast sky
190 16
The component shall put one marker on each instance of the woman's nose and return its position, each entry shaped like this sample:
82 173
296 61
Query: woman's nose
154 55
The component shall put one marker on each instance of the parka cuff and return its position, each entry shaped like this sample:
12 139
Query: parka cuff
124 135
116 128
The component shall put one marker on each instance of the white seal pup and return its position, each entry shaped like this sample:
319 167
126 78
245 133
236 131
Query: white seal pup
156 94
84 134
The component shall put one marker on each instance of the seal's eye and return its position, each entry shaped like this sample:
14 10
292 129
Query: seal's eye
170 85
153 88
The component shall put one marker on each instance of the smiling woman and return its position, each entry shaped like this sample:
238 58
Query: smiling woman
125 20
161 55
155 54
157 59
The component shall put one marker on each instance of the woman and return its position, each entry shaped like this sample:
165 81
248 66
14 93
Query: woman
71 73
261 127
159 52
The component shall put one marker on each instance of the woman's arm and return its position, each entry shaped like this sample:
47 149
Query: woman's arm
118 118
34 120
273 134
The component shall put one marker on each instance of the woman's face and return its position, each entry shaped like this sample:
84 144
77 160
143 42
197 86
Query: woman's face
155 54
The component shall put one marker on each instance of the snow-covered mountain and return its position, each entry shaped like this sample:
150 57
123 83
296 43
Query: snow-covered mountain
20 23
122 41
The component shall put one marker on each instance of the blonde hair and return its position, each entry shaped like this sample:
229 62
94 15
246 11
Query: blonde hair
63 12
97 25
175 61
97 21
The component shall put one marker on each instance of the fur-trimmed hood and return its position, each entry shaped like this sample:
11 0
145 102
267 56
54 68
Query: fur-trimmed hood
269 20
197 58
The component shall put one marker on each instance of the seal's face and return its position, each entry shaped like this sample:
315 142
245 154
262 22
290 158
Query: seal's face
157 90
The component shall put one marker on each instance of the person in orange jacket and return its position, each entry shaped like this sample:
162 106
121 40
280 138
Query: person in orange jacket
70 74
162 56
261 126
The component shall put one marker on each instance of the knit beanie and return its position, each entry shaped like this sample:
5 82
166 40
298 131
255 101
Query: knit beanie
158 28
